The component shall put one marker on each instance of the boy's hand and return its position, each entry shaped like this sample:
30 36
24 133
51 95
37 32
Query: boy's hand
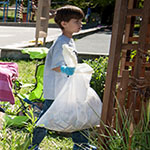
67 70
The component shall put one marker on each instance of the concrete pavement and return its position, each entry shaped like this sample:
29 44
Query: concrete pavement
19 37
93 41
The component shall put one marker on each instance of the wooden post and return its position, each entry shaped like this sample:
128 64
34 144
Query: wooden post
120 99
42 20
113 63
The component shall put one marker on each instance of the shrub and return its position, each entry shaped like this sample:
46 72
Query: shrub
98 77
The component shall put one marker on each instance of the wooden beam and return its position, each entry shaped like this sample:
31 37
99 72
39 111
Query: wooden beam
130 46
121 95
129 30
142 38
42 18
134 12
114 57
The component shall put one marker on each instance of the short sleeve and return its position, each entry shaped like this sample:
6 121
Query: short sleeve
57 55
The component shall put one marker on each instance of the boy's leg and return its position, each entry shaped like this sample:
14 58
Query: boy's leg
38 135
47 104
80 138
2 110
39 132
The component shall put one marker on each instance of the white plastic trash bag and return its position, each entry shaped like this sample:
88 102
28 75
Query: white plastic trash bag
77 106
69 56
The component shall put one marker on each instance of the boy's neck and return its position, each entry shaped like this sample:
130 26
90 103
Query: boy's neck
69 35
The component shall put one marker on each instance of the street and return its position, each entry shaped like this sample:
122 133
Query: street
18 37
97 43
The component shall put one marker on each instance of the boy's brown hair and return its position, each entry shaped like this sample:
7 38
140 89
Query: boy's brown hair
66 13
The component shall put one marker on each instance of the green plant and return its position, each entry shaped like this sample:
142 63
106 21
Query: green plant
14 139
25 3
128 134
31 125
20 138
99 66
116 138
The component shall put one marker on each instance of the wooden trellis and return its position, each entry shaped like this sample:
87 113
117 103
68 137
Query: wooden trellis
128 74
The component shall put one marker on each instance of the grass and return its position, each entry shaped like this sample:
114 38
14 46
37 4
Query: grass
11 16
19 138
125 138
14 138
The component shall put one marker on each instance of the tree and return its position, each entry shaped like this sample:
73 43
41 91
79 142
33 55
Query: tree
12 2
104 8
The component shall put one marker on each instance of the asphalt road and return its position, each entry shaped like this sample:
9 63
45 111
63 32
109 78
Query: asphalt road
97 43
18 37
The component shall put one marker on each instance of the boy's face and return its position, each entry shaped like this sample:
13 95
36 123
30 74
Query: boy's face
73 26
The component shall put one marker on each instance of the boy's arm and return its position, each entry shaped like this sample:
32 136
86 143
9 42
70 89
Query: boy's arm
64 69
57 69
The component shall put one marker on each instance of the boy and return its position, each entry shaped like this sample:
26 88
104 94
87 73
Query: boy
56 72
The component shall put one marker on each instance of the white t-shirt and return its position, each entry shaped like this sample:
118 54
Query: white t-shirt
54 81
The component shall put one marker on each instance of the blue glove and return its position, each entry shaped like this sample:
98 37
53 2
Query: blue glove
67 70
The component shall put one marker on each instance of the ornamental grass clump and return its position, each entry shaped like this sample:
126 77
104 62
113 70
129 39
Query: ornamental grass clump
124 133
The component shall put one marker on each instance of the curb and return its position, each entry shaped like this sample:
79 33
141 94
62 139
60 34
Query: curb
25 24
33 24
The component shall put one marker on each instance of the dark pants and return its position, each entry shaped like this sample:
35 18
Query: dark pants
39 132
2 110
